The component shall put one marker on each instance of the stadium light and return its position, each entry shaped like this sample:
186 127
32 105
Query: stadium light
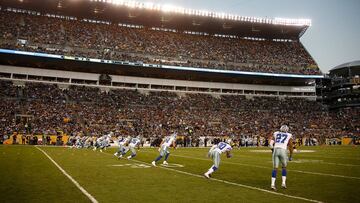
295 22
148 5
173 9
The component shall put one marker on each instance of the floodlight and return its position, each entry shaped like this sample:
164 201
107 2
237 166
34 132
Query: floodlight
173 9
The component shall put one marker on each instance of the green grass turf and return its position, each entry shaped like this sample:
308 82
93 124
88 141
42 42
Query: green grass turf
29 176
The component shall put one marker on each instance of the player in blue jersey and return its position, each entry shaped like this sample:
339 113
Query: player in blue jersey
164 146
214 153
281 141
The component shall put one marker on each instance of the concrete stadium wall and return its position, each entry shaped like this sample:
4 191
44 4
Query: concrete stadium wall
155 84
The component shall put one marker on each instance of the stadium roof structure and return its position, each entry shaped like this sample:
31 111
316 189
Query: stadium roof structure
348 64
347 69
168 17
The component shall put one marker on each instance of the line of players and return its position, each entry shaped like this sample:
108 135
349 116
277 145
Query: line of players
88 142
280 142
102 143
128 144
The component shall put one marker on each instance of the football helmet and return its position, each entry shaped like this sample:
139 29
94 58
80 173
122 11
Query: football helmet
284 128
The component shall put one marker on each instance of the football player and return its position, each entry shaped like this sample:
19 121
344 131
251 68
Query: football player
123 143
78 142
164 146
281 141
134 142
98 142
214 153
88 142
106 141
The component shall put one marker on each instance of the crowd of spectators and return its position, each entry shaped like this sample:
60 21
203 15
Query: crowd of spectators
114 42
46 109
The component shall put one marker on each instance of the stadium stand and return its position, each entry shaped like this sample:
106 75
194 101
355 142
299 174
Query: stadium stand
151 100
90 111
29 31
340 88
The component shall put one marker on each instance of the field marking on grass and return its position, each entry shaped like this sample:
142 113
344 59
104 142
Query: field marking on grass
332 157
301 161
257 166
172 165
226 182
232 183
142 166
86 193
329 163
337 164
267 151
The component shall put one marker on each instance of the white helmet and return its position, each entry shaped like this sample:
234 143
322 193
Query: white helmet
284 128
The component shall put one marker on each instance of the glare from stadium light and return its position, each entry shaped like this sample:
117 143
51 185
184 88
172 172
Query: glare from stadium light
174 9
167 8
148 5
294 22
118 2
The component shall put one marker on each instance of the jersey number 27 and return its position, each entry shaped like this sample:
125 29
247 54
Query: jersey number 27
280 138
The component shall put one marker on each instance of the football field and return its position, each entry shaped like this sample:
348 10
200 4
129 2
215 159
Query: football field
60 174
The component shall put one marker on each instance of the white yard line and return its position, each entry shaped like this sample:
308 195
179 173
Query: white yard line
227 182
332 157
337 164
86 193
232 183
256 166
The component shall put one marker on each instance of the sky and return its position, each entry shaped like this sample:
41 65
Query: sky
333 38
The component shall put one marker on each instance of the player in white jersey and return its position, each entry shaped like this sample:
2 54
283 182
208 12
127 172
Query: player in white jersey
103 142
106 141
98 142
123 142
164 146
88 141
78 142
281 141
214 153
134 142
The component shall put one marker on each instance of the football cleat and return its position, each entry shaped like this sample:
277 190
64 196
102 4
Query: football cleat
153 163
165 163
273 187
129 157
116 154
283 186
206 175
